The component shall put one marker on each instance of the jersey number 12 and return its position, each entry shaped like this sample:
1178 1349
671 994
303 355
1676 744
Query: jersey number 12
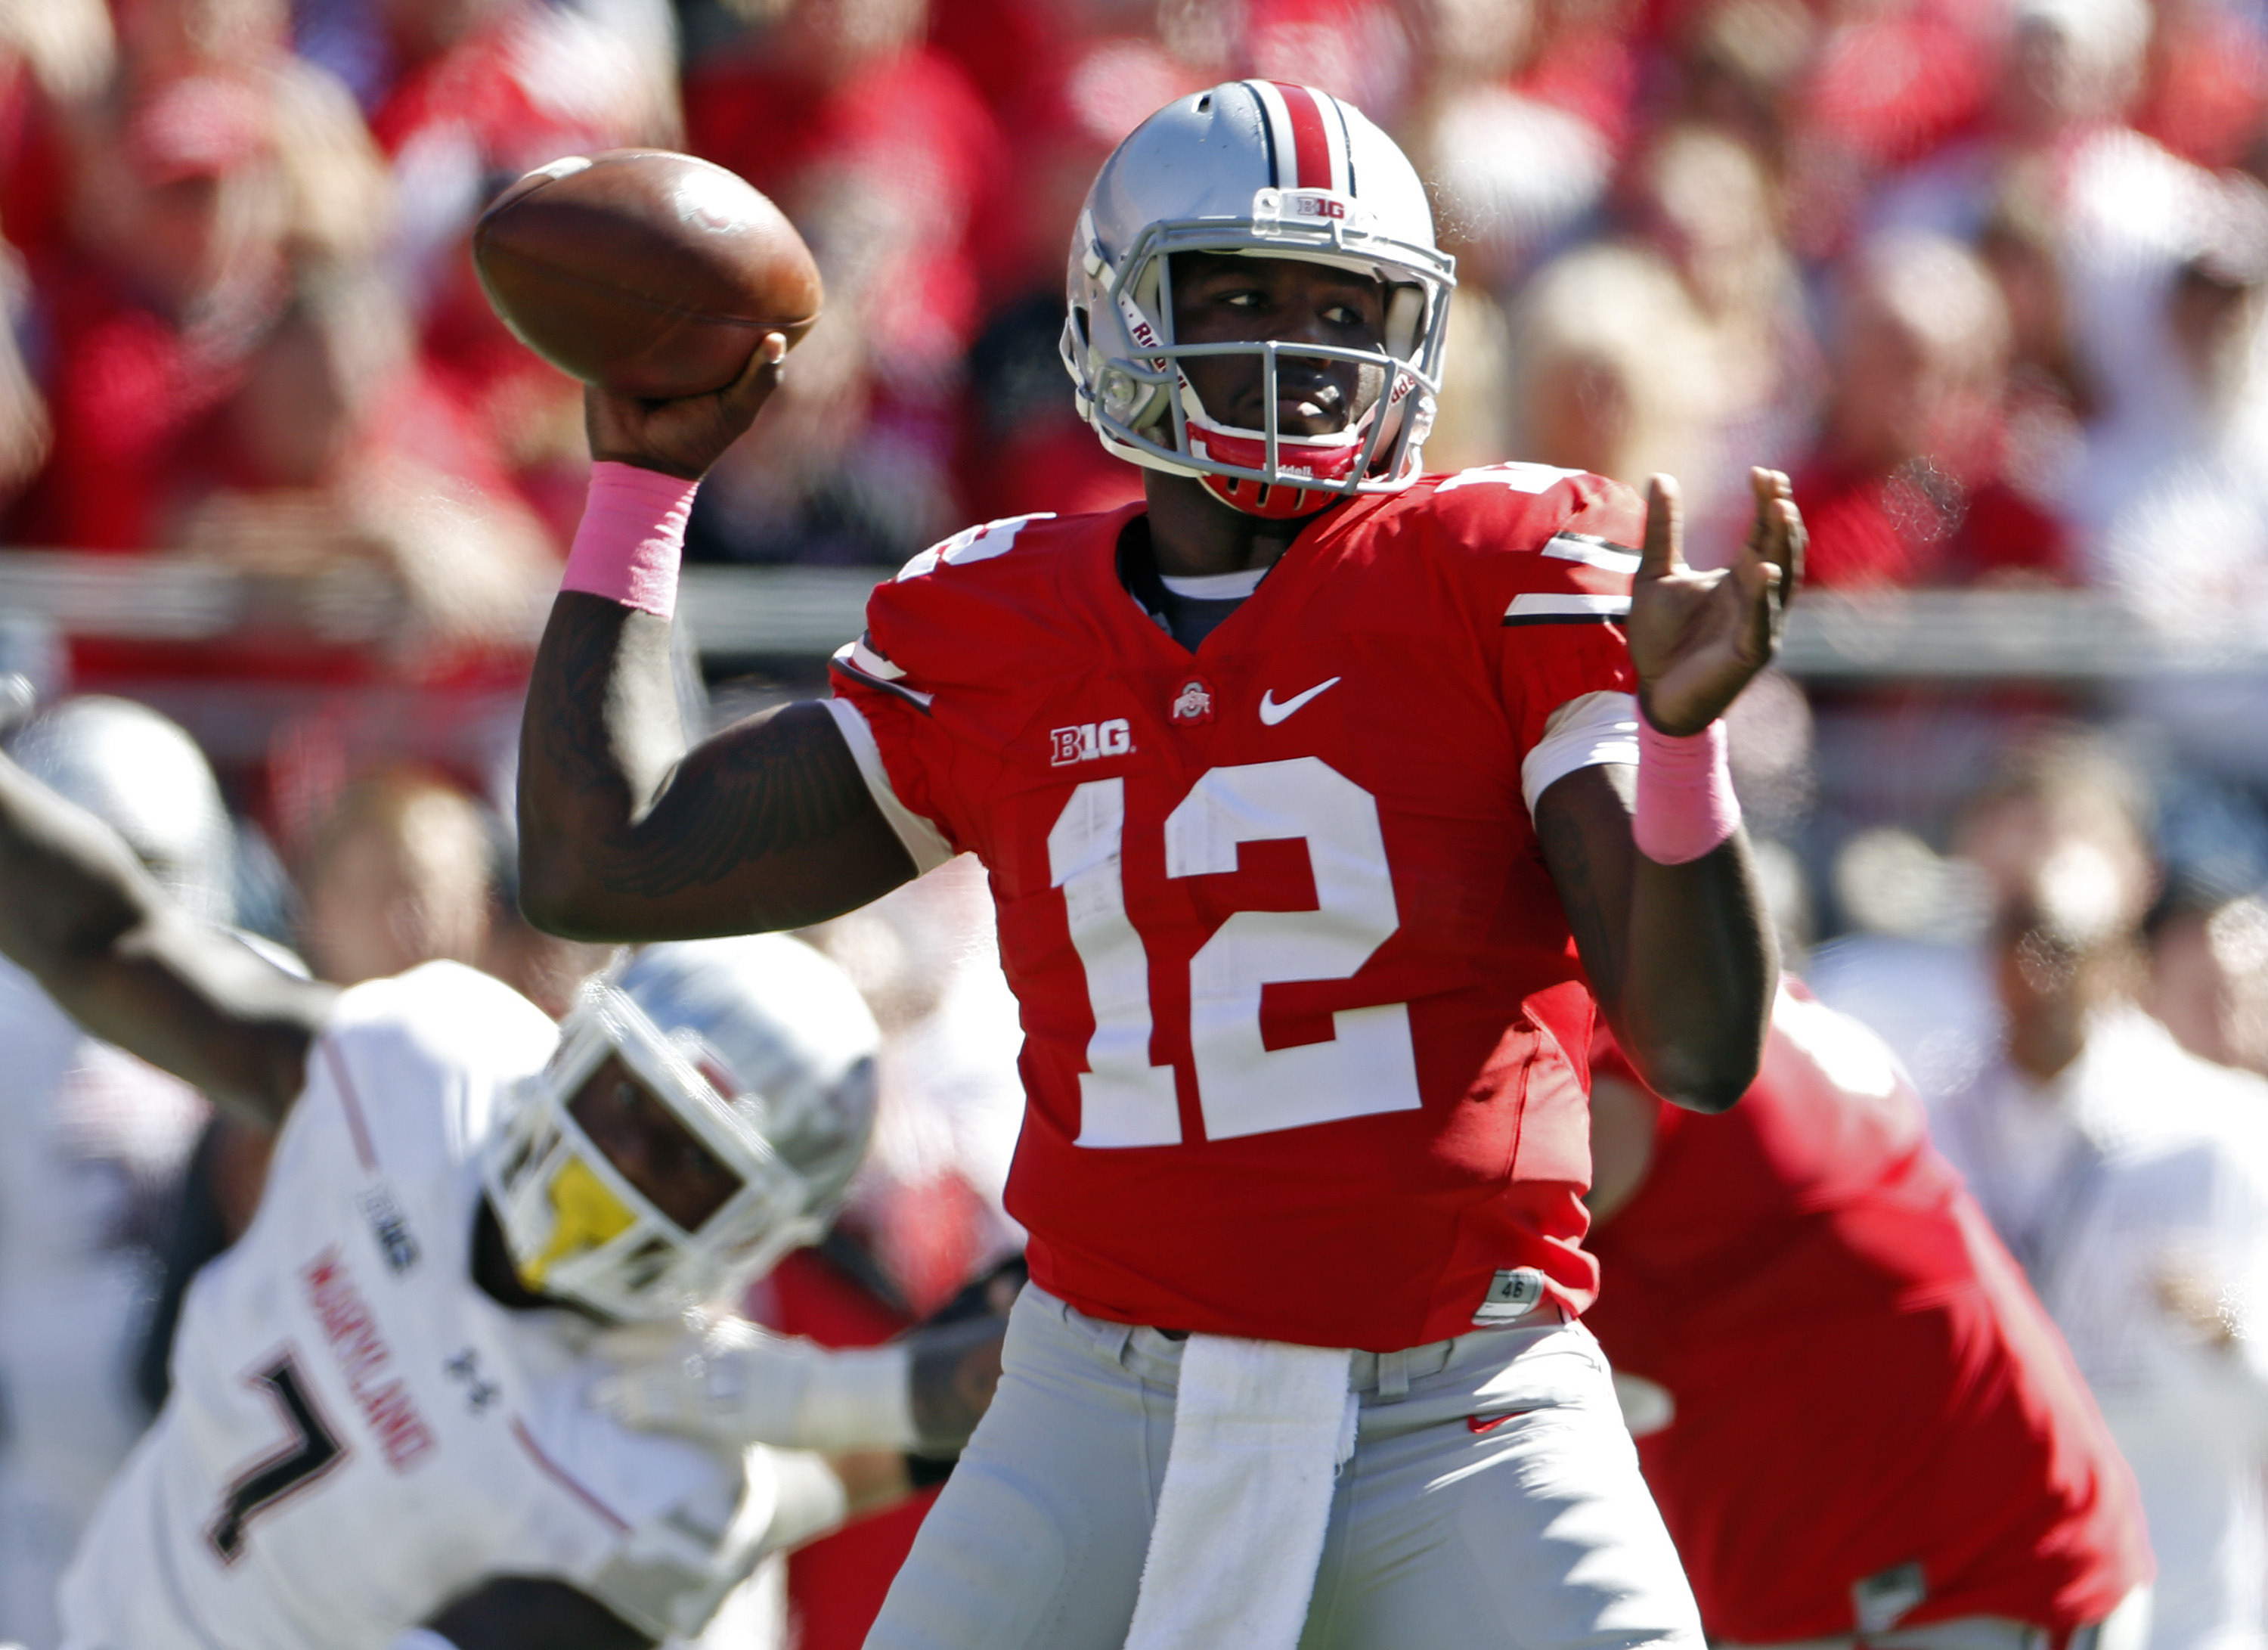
1243 1087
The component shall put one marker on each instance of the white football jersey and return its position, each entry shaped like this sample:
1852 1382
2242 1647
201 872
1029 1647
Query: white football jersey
357 1434
96 1142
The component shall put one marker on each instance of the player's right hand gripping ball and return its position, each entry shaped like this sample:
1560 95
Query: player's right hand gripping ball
648 273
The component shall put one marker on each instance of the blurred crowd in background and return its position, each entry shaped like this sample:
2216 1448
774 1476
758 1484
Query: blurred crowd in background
1985 276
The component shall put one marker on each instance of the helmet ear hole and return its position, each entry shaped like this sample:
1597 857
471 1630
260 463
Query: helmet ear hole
1085 333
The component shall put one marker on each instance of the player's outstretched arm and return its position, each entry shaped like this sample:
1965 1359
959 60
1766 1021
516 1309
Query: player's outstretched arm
731 1384
1679 949
623 833
79 914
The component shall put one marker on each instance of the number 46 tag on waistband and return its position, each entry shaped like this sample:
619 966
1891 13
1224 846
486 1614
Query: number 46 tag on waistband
1511 1294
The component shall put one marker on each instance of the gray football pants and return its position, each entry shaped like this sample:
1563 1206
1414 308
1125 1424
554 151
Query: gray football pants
1447 1532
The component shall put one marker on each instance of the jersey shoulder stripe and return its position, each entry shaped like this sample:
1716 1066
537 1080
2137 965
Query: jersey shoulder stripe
1594 551
1566 608
1543 528
859 661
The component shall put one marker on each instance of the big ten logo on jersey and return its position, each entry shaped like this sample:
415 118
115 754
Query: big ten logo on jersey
1091 741
389 1229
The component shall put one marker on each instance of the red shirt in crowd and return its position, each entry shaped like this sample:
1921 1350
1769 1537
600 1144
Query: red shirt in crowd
1860 1378
1924 529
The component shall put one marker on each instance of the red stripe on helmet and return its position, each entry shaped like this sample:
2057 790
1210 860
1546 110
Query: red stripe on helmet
1310 137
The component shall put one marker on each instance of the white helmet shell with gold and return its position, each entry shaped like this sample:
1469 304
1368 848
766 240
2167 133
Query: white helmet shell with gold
1257 168
764 1050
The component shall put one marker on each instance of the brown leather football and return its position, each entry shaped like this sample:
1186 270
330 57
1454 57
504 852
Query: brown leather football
650 273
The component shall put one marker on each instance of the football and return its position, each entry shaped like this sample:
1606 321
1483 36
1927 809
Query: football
648 273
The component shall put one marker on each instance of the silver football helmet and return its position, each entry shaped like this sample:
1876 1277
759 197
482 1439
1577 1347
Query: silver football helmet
142 775
1265 169
764 1052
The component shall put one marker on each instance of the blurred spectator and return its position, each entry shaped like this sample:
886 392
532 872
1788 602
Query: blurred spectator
26 434
2209 976
2123 208
2207 80
2182 500
338 201
2185 541
1734 65
97 1142
177 249
1610 367
1907 487
464 96
338 446
882 153
1514 162
1026 449
1886 86
1356 48
1707 206
2128 1178
397 875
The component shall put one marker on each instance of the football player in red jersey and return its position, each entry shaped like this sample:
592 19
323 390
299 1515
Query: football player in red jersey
1861 1424
1323 799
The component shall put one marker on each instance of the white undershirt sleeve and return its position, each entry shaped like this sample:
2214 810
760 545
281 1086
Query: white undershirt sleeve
921 839
1588 730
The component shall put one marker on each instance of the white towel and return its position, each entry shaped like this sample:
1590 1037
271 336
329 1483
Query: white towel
1260 1430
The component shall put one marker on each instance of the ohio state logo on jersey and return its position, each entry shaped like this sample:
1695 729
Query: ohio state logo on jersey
1193 703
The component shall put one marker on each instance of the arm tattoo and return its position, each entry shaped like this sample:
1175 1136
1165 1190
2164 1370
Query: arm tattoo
773 785
768 824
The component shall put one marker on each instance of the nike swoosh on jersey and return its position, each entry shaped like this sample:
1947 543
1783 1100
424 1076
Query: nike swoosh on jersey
1271 712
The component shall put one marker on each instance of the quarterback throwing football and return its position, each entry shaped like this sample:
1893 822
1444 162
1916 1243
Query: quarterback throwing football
1322 800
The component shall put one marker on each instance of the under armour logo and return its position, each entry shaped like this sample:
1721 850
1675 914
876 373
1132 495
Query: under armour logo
466 1366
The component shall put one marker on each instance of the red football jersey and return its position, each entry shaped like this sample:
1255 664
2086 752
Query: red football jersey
1306 1038
1861 1380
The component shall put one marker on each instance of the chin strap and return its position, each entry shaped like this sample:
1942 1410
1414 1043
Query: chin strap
1326 459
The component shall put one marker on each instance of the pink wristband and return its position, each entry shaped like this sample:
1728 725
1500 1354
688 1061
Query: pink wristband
1685 803
632 533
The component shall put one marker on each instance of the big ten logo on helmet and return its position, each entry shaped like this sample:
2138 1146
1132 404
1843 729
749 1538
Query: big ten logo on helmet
1090 741
1315 203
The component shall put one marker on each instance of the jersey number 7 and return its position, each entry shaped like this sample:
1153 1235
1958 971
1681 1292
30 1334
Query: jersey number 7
312 1450
1243 1087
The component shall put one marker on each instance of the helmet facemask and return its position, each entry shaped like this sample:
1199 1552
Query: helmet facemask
578 1229
1121 349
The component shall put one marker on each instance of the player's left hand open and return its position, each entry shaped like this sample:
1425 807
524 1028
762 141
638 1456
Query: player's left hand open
1697 637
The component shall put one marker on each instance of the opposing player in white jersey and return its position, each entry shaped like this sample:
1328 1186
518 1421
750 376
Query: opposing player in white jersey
378 1437
97 1143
